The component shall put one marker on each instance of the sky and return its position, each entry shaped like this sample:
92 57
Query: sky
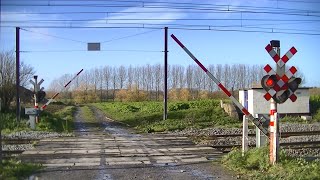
54 41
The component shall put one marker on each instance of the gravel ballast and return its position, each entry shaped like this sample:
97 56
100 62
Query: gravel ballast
28 135
284 127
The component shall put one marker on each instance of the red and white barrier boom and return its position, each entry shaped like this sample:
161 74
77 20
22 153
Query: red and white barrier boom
54 96
256 121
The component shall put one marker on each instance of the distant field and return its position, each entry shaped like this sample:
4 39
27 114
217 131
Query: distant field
148 116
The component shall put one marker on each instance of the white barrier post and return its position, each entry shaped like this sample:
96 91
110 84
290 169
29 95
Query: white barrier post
245 136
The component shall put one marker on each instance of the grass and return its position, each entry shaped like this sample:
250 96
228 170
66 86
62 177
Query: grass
14 169
148 116
59 119
9 123
255 165
87 114
315 107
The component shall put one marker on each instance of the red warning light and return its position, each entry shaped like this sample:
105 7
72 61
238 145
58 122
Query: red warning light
270 82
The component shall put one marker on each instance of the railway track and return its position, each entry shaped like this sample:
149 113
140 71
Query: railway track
224 148
287 145
283 135
19 141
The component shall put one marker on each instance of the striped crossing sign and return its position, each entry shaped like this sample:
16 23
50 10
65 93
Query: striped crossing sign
280 90
285 58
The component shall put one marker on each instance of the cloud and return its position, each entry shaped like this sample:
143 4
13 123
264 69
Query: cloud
238 5
18 19
141 17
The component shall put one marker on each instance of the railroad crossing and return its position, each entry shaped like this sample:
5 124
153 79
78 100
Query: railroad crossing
113 152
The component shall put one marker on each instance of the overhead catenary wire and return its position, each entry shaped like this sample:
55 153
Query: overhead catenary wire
175 28
181 2
159 4
58 37
197 7
209 26
204 26
163 19
110 40
129 36
297 1
214 11
109 50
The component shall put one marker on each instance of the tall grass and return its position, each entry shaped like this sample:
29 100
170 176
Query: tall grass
8 122
60 120
255 165
14 169
315 107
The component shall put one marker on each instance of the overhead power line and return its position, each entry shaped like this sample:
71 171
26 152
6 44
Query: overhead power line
180 2
171 25
110 50
110 40
163 19
211 28
125 37
215 11
58 37
152 4
297 1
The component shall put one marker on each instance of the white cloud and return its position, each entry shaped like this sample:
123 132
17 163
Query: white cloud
18 19
138 18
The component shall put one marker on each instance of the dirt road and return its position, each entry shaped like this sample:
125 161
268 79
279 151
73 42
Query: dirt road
106 150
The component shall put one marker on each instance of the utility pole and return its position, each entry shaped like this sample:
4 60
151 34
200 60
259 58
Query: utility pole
165 97
18 72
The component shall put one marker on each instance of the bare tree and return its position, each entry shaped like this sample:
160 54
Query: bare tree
130 77
122 76
189 77
114 81
158 75
8 78
106 78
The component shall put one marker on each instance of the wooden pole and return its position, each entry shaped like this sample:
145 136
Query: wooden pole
18 72
165 97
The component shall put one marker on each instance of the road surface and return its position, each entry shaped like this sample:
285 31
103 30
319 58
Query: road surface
106 150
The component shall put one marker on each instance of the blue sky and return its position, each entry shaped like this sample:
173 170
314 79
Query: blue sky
225 43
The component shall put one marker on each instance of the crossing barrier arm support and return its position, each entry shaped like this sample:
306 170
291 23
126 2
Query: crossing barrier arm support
54 96
256 121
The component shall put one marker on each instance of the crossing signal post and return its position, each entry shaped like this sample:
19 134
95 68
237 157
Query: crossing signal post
280 86
39 95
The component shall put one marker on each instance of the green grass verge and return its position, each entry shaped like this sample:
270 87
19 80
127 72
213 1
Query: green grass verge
13 169
9 123
87 114
148 116
60 120
57 118
315 107
255 165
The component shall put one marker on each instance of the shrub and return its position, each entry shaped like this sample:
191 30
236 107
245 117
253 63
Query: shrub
178 106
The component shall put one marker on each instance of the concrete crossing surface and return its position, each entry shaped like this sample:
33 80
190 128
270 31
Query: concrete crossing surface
113 152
